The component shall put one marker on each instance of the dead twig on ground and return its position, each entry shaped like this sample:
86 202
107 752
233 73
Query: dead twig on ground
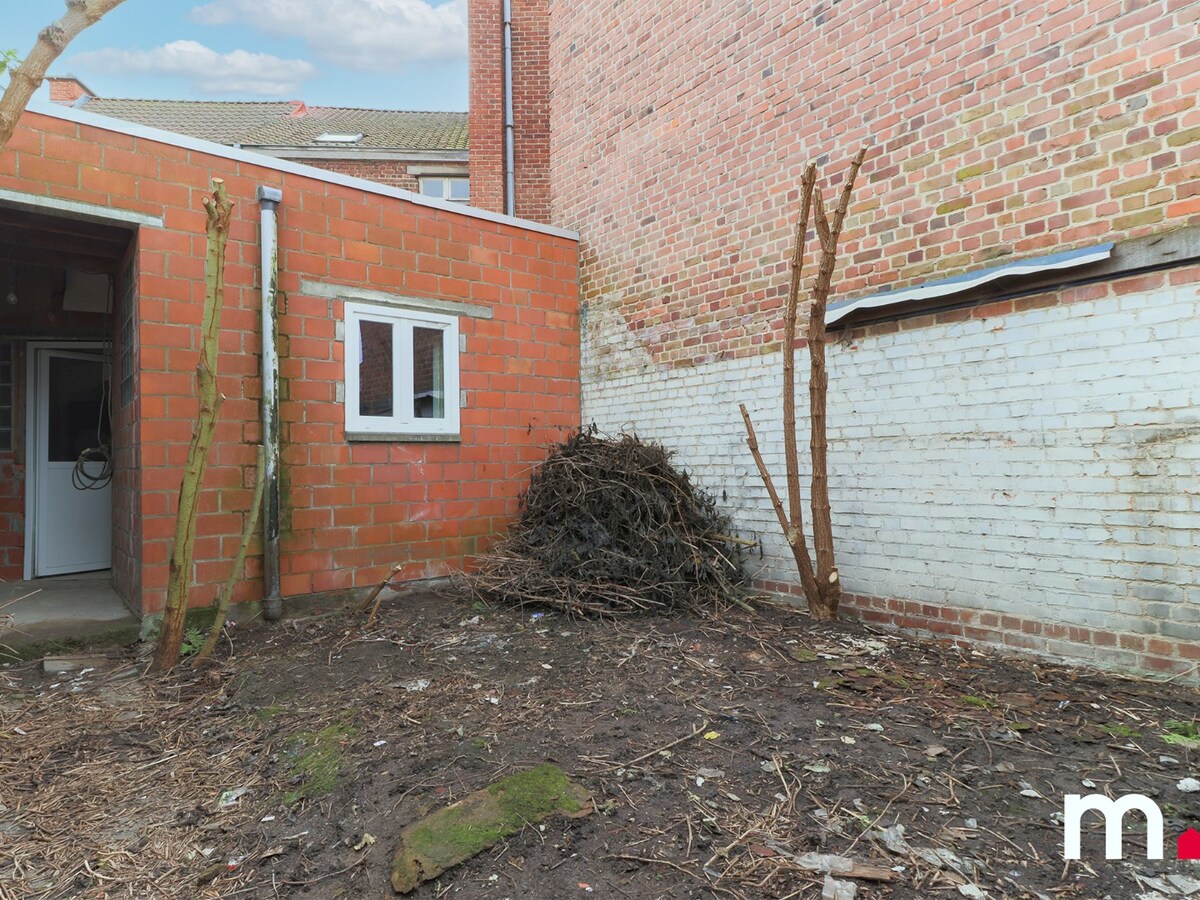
374 596
675 743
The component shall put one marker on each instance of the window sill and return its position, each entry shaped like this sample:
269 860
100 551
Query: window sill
397 437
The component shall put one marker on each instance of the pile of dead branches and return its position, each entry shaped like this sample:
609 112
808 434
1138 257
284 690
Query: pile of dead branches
609 527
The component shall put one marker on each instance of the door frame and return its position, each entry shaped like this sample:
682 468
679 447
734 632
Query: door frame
31 430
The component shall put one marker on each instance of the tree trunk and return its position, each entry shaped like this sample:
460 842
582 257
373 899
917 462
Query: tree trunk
822 585
179 579
829 586
51 42
794 528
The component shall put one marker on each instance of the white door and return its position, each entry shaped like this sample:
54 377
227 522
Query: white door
72 515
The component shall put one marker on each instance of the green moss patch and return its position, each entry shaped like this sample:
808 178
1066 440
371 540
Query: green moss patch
980 702
316 758
480 820
1182 734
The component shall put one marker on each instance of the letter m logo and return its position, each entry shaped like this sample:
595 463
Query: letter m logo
1074 806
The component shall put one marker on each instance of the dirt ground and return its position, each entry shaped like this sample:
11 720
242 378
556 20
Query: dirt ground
718 751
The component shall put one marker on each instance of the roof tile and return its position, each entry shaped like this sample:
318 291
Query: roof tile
284 124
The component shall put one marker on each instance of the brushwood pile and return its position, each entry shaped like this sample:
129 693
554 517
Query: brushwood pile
609 527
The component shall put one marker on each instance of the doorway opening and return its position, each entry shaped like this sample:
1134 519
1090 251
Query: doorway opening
67 443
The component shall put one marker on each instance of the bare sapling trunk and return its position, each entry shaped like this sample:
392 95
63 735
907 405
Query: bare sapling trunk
51 42
170 639
821 583
235 573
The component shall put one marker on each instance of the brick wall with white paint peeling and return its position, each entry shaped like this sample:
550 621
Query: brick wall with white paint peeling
1031 479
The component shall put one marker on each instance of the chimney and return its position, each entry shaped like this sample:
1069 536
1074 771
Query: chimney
69 91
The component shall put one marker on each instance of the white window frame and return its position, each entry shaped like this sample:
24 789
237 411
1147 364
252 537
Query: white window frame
445 180
402 425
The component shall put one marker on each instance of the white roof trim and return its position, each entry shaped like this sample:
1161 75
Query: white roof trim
957 284
119 126
283 151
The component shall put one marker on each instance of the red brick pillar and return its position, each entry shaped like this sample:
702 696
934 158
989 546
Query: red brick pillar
531 106
486 116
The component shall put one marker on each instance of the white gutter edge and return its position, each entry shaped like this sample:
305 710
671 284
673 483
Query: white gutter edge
370 154
957 284
118 126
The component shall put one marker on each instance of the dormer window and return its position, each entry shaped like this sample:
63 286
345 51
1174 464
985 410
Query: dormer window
454 189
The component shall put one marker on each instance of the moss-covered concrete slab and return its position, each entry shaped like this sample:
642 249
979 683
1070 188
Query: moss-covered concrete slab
482 819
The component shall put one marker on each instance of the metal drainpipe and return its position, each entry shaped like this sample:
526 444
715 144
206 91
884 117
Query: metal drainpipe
510 175
269 199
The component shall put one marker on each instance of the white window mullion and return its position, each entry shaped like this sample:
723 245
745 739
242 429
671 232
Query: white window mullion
404 375
353 357
450 374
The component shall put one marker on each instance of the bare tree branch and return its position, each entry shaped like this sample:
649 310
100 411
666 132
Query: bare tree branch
239 564
790 454
793 535
51 42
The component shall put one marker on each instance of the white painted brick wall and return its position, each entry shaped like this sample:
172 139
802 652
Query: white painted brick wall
1044 464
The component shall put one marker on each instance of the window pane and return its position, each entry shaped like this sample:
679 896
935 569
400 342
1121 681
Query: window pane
460 189
375 369
77 410
429 398
433 187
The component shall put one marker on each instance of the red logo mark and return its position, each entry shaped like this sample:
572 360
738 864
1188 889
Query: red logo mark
1188 844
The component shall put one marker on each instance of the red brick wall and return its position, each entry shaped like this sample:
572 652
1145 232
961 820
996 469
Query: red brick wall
12 475
126 445
351 510
393 172
531 107
384 171
998 130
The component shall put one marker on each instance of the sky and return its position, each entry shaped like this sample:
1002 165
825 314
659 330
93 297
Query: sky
384 54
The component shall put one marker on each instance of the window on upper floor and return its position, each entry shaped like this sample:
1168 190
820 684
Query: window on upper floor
445 187
401 373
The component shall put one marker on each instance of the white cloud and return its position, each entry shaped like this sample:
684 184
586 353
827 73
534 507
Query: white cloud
369 35
209 72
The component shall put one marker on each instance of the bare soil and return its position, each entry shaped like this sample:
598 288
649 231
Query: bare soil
778 737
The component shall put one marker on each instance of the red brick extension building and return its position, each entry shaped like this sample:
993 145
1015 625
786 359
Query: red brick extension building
102 247
1014 450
